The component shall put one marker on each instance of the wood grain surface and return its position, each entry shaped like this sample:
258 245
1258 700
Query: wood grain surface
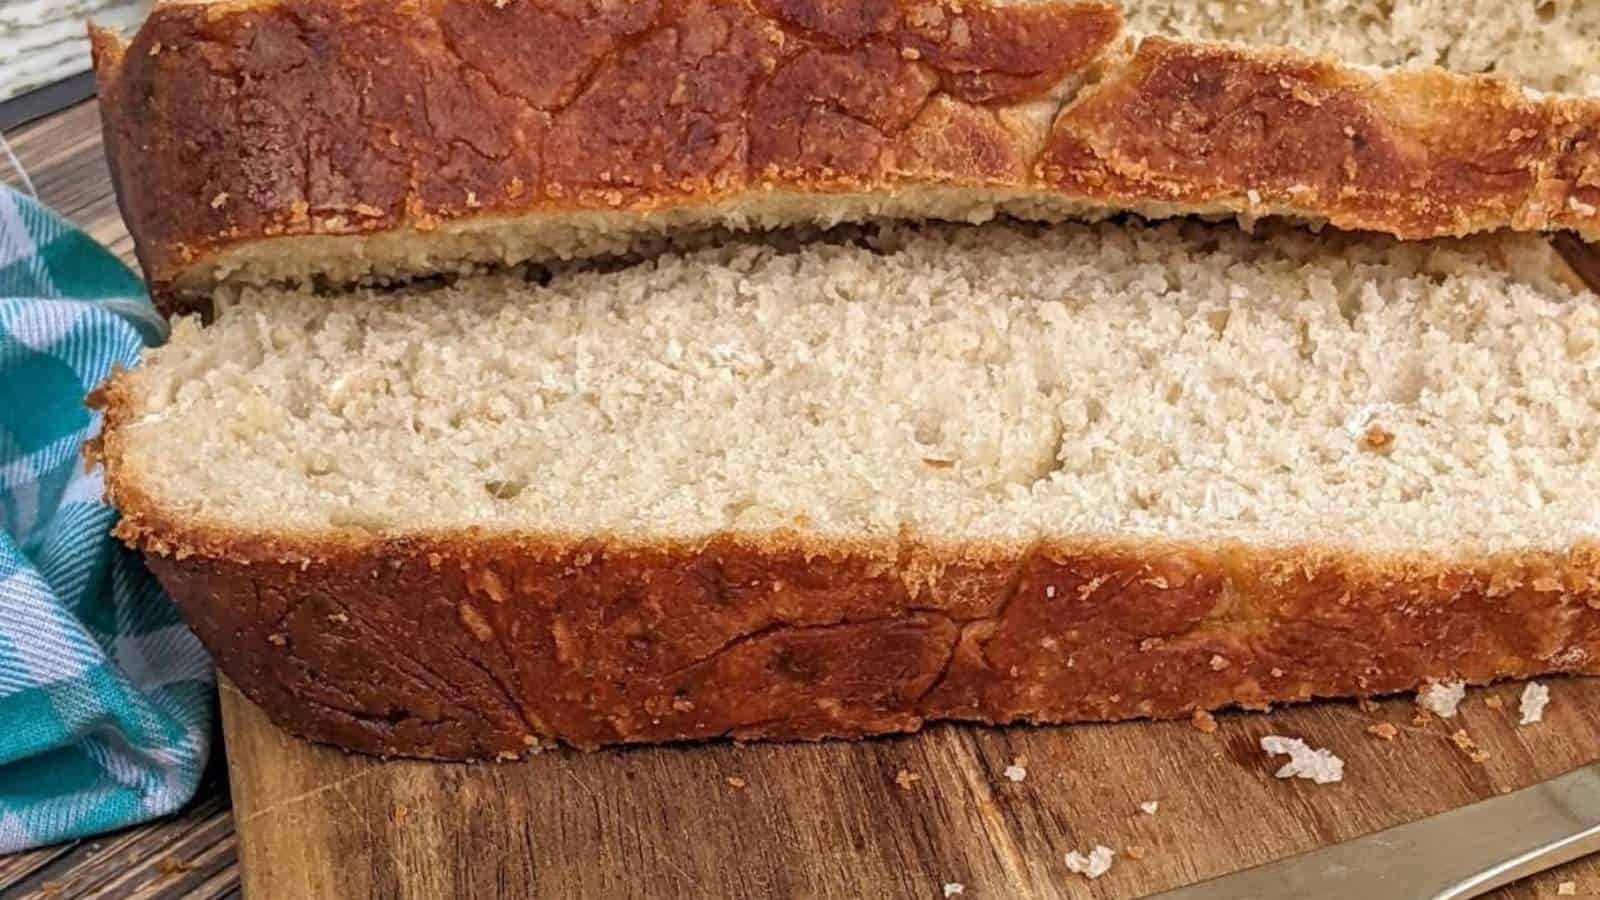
796 821
190 855
832 820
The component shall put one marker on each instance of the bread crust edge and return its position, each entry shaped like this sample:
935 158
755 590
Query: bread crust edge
472 645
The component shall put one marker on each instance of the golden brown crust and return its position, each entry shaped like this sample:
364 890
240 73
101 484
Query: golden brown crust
232 124
468 647
476 646
354 116
1416 154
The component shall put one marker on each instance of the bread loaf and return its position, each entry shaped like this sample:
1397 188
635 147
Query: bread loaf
349 140
843 488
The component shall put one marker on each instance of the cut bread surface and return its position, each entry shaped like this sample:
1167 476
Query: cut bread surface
1002 384
1550 45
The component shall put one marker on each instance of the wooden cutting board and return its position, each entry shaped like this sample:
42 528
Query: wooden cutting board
830 820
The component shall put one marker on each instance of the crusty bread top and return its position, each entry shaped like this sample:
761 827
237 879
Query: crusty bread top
354 138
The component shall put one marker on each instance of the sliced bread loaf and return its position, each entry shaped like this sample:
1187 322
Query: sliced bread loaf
995 474
356 139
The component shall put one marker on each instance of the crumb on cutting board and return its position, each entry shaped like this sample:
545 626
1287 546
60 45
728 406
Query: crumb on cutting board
906 779
1149 807
1442 698
1535 697
1469 746
1018 770
1383 731
1203 722
736 782
1318 765
952 888
1095 864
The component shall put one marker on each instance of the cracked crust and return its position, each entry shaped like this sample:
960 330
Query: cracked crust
471 645
282 139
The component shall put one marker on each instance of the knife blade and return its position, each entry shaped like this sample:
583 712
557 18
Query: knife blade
1451 856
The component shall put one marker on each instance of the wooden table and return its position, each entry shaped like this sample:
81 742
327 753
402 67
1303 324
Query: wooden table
831 820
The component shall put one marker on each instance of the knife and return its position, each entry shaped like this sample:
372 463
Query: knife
1451 856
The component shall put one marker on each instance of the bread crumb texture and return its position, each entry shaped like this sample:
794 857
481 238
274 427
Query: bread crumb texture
1008 383
1383 731
1467 745
1535 697
1442 698
1091 866
1318 765
1550 45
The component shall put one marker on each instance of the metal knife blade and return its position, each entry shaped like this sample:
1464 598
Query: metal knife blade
1451 856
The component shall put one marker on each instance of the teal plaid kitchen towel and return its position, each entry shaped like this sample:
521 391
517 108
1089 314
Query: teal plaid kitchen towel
105 697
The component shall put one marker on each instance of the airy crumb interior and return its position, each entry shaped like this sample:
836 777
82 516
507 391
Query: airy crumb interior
1550 45
1002 381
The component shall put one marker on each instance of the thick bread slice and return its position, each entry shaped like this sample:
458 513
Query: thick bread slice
347 139
997 474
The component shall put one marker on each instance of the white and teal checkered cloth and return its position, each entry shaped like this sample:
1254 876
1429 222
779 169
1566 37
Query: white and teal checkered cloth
105 697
